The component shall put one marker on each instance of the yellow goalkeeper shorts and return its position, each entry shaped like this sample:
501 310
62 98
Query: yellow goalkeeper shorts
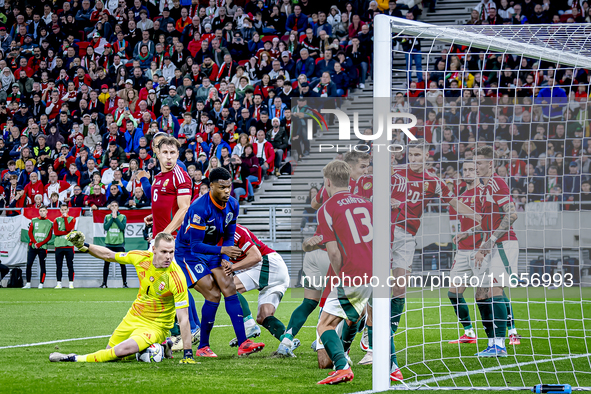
141 332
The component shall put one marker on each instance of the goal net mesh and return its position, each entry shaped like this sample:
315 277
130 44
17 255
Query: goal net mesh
524 91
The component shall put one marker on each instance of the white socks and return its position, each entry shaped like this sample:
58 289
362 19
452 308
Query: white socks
249 323
500 342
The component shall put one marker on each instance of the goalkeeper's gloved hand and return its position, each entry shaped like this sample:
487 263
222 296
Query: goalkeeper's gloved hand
188 357
77 238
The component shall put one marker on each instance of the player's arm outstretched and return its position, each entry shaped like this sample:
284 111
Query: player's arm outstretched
100 252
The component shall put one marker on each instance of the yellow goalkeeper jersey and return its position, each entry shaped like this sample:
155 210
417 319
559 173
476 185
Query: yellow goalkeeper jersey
162 290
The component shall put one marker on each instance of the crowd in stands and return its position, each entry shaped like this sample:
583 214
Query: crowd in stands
503 12
534 113
85 85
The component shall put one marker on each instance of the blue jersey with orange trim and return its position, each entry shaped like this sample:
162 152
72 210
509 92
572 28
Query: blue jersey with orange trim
206 228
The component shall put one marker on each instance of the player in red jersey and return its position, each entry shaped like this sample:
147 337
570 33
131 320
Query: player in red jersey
413 187
463 268
258 267
171 189
498 256
359 162
171 193
345 224
316 260
463 265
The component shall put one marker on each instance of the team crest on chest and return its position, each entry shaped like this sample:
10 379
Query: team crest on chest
229 217
367 186
161 286
426 186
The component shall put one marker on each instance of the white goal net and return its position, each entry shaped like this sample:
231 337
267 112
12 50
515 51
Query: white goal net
522 91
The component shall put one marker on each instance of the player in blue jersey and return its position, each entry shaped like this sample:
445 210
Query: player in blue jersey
206 242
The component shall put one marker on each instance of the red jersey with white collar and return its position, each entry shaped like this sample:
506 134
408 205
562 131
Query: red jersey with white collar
166 188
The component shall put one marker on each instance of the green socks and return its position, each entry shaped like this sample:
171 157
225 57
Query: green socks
370 337
274 325
510 322
245 308
461 308
393 359
175 330
397 306
493 312
299 317
348 334
334 348
486 314
499 307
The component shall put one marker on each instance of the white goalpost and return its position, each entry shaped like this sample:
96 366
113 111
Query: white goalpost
550 298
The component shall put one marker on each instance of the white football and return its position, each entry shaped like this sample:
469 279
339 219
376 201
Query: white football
153 354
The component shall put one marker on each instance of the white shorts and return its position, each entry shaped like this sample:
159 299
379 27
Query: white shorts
502 262
463 267
347 302
270 277
403 249
316 264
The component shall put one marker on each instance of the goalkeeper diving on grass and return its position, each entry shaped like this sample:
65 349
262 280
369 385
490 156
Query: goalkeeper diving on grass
162 293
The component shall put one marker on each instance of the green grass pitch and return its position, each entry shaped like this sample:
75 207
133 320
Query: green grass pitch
33 316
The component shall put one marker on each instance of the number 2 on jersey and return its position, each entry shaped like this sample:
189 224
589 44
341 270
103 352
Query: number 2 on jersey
365 221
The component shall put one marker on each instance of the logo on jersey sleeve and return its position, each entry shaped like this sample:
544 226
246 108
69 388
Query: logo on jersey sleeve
196 219
229 217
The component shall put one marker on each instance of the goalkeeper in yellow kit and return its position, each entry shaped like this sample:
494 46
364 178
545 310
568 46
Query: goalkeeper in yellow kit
162 293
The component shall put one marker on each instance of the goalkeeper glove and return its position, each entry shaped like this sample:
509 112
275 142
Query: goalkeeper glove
77 238
188 357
